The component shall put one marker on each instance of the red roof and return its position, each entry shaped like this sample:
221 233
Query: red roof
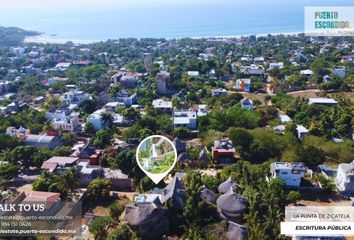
36 196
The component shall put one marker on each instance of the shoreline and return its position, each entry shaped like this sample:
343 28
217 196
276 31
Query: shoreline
45 39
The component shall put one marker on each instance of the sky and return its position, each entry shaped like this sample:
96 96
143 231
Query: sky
16 4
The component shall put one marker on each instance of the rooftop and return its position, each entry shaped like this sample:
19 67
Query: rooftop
299 166
62 160
322 101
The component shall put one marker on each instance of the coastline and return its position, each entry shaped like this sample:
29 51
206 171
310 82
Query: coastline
45 39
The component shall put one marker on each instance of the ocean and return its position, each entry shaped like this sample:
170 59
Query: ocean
168 20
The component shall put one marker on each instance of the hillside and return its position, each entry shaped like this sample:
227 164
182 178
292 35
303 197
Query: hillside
11 36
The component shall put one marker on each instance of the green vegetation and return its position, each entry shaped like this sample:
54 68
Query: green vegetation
11 36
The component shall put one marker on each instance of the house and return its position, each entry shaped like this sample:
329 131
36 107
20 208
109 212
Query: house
97 120
258 60
165 106
290 173
247 104
327 171
51 201
345 178
85 151
302 132
243 85
59 164
63 122
112 106
115 78
119 120
306 72
128 81
75 96
278 65
147 219
223 151
252 70
202 110
231 206
185 118
20 133
39 100
163 82
119 180
50 142
339 71
327 79
18 51
55 80
127 98
62 67
193 74
284 118
174 192
322 101
280 129
215 92
88 172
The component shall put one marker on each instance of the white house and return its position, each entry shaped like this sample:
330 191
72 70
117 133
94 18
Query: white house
162 105
306 72
246 103
243 84
284 118
202 111
345 178
302 132
185 118
75 96
259 60
290 173
218 91
62 66
111 106
323 101
193 73
278 65
64 122
96 119
339 71
126 98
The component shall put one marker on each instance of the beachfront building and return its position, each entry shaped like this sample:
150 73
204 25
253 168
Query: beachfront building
185 118
290 173
345 178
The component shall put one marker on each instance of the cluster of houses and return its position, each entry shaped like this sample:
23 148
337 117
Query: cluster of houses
148 217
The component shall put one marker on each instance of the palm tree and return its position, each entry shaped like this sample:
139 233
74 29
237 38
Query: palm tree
107 119
5 154
194 205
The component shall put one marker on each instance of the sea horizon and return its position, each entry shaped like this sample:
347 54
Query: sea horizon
47 39
169 20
